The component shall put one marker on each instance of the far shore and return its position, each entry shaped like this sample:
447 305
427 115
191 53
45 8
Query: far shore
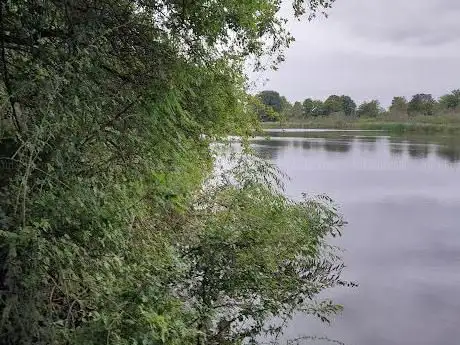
421 124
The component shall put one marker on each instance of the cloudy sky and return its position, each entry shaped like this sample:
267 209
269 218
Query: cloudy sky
372 49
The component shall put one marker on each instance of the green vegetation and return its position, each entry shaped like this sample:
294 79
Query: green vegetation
421 114
116 225
448 124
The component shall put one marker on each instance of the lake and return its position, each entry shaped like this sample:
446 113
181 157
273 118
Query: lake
401 198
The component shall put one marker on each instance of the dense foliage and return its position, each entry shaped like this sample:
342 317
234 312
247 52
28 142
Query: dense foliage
371 109
113 227
419 104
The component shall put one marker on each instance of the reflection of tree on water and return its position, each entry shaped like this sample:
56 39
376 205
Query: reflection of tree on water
269 149
271 142
369 139
450 153
367 143
327 145
297 144
419 151
289 134
397 149
312 145
337 146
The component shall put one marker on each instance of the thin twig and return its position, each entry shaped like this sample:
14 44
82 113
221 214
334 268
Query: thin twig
69 313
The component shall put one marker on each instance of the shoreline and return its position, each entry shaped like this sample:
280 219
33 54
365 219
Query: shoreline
356 125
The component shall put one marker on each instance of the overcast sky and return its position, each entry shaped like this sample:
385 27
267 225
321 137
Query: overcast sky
372 49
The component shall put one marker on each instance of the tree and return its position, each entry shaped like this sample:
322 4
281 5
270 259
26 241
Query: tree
398 105
348 105
297 110
308 106
333 104
421 104
273 104
111 109
313 107
272 99
451 100
369 109
318 108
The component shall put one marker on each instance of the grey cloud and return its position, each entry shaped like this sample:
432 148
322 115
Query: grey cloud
451 5
415 22
416 37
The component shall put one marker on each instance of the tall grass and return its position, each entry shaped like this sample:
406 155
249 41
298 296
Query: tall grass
401 123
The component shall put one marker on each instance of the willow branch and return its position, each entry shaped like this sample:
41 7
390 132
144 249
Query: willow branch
6 78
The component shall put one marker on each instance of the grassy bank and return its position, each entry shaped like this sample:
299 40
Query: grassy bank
448 124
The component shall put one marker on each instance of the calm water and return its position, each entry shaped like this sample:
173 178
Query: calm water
401 197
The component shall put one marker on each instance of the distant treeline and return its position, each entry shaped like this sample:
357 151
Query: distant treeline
275 105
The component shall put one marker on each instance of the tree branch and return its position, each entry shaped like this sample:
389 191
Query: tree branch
6 78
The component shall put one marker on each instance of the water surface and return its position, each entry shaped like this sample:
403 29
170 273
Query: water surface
401 197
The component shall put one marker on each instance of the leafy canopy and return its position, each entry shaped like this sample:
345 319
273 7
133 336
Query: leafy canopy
370 109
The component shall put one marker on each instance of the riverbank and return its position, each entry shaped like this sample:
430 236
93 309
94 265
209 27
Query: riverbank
449 124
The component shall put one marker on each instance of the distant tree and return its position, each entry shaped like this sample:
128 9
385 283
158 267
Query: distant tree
308 106
451 100
297 110
421 104
273 105
348 105
285 103
286 111
318 108
312 107
286 108
398 105
333 104
272 99
369 109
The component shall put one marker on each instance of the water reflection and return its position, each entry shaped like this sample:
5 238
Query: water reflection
450 153
397 149
284 142
311 145
420 148
340 146
419 151
269 149
368 139
368 143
